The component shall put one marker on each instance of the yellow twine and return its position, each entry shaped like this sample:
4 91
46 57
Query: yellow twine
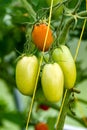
32 101
77 50
61 108
79 42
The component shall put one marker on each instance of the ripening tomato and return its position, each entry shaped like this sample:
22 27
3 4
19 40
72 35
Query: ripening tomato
41 126
39 34
26 72
57 11
44 107
52 82
64 58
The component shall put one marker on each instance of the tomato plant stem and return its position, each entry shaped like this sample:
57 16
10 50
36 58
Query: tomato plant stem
56 107
65 103
83 14
29 8
63 110
63 34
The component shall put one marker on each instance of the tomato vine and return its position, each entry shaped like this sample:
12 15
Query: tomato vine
61 39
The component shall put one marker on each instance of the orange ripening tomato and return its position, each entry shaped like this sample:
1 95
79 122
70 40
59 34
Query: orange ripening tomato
41 126
39 34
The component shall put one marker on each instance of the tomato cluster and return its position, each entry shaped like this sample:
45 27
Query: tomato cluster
54 76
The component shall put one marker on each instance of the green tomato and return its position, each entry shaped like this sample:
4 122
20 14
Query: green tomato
26 72
64 58
52 81
58 11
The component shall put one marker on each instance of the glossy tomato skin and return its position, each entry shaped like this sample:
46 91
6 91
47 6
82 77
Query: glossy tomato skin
26 72
64 58
41 126
39 34
52 82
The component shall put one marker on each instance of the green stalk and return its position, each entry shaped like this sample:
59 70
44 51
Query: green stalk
56 107
63 34
83 14
63 112
64 107
29 8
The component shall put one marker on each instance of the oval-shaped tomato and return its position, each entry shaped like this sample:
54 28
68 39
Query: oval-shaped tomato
41 126
39 34
57 11
52 82
26 72
64 58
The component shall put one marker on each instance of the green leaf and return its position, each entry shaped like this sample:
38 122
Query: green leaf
51 123
35 2
14 117
4 2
